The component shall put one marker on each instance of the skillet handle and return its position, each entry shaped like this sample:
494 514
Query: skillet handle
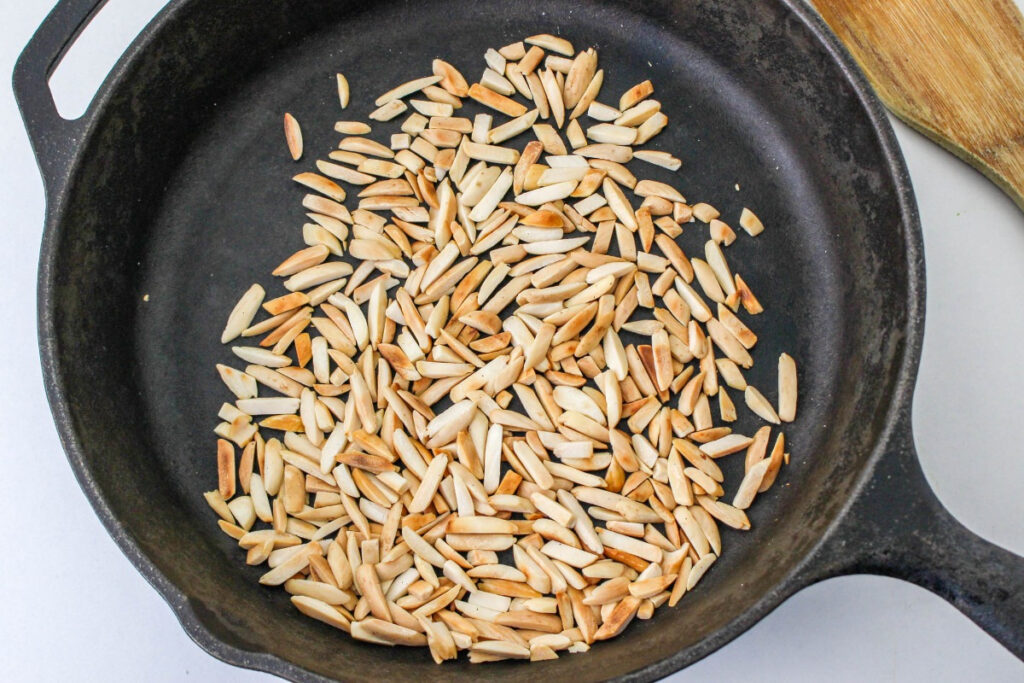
897 527
53 137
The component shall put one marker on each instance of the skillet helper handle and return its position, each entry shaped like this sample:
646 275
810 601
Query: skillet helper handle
53 137
952 70
897 527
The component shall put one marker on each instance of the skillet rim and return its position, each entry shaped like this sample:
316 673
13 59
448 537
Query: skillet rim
800 576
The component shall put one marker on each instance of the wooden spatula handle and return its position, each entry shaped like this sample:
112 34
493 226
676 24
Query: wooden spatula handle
952 69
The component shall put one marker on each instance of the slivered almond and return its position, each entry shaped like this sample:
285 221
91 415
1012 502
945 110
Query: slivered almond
321 185
721 232
365 146
389 110
512 128
243 313
725 513
432 108
748 488
751 223
293 136
653 188
548 136
496 101
663 159
637 115
407 88
651 127
607 152
543 219
378 167
500 648
787 388
344 173
525 619
491 153
450 78
343 90
612 134
619 204
578 79
550 42
378 631
589 95
352 127
619 618
602 112
760 406
553 93
635 94
547 194
495 81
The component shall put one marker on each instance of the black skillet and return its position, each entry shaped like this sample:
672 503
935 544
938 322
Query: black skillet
175 184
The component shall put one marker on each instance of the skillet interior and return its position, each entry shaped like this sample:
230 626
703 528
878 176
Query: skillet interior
182 193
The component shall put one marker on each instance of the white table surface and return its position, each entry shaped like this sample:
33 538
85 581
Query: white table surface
73 608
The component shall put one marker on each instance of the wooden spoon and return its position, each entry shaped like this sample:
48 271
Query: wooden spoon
952 69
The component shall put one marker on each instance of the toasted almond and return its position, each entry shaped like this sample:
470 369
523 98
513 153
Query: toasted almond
589 94
698 570
293 136
547 194
407 88
422 548
491 153
493 542
653 188
635 94
526 619
321 611
727 342
451 79
321 185
584 66
389 110
362 145
776 458
352 127
612 134
751 223
786 388
750 485
501 649
431 108
619 618
550 42
619 204
663 159
243 313
378 631
651 127
553 93
721 232
637 115
608 152
497 101
343 91
725 513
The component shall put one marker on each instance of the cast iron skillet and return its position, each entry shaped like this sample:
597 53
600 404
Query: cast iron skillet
175 184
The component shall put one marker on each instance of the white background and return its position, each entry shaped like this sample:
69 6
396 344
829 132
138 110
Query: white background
73 608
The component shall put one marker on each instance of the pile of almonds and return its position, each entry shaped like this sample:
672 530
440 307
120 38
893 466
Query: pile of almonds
464 449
